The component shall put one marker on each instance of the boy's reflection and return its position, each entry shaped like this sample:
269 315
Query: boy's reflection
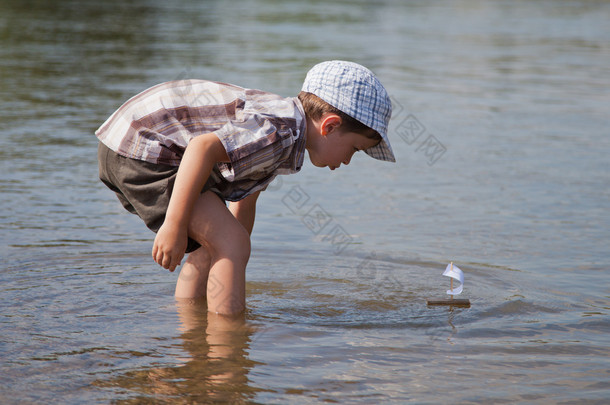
217 344
216 367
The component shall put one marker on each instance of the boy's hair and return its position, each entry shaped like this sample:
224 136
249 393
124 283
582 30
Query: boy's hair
315 108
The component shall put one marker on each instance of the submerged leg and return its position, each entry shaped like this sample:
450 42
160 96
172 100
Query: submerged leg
226 248
193 279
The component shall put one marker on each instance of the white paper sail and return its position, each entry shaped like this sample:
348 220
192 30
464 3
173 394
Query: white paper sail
454 272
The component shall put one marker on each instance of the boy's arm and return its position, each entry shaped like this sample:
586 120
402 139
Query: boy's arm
245 211
200 156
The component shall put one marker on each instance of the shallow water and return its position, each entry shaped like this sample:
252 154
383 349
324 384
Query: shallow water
501 134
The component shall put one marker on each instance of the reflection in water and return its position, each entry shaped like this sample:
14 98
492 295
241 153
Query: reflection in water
214 367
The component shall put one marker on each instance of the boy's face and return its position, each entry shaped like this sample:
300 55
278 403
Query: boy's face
337 147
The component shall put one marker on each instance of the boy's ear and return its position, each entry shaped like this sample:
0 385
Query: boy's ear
330 122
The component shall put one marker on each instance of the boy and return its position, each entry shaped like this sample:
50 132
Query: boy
176 152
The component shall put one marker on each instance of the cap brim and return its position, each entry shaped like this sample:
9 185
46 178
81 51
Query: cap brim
381 151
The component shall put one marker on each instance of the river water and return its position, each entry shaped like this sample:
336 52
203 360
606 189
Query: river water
500 129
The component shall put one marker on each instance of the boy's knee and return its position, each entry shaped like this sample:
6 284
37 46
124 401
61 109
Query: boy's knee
200 258
235 246
240 245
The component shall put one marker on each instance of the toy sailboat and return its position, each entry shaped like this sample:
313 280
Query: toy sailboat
453 272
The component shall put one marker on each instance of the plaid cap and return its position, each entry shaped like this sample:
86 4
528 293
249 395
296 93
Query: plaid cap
356 91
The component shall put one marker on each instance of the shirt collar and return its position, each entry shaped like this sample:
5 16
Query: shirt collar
299 146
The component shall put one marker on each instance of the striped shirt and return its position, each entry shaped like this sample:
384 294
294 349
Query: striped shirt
263 133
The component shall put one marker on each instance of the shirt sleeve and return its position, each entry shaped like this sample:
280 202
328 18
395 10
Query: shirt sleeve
255 146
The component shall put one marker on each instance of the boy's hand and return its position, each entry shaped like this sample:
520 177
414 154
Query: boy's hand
170 244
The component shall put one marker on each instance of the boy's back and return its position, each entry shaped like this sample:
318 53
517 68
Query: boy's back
261 132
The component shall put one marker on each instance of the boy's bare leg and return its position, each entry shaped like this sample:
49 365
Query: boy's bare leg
193 279
227 244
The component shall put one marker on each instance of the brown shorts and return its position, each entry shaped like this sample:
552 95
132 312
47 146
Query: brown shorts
143 188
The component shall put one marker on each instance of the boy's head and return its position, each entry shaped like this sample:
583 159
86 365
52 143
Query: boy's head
353 93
